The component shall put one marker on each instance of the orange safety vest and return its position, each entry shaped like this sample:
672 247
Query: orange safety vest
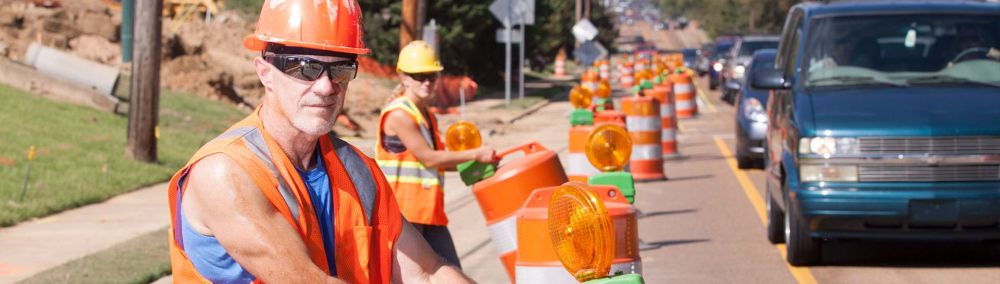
367 221
419 190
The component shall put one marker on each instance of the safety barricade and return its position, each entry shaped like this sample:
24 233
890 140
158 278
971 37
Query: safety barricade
642 116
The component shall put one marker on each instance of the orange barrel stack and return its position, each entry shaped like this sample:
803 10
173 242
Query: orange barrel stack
663 93
684 95
590 80
560 69
501 195
626 79
578 168
642 116
538 263
603 92
604 70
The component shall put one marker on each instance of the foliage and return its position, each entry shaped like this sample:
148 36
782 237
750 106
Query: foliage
467 34
719 17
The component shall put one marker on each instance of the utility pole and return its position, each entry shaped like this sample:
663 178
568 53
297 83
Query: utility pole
579 11
144 93
410 26
586 9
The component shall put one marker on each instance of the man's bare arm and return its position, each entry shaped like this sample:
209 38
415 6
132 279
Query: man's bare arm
222 200
415 261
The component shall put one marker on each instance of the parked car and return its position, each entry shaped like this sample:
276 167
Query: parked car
883 123
739 56
718 58
751 116
691 56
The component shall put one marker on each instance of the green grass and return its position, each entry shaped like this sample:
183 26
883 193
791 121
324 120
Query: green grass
246 6
140 260
81 151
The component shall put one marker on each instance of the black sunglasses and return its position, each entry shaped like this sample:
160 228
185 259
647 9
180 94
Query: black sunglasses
309 69
424 77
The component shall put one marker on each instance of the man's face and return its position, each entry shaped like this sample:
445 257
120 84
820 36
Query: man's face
310 106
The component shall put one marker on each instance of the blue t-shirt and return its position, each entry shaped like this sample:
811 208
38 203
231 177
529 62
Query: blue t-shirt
215 263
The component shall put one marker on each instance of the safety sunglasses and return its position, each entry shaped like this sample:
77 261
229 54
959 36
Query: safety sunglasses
309 69
424 77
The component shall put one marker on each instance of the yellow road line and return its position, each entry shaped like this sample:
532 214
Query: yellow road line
708 103
801 274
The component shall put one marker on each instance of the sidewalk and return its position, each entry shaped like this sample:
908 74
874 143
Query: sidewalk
41 244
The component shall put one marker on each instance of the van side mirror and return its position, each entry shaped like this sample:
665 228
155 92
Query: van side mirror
770 79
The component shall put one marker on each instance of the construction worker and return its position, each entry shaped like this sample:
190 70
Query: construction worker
410 153
277 198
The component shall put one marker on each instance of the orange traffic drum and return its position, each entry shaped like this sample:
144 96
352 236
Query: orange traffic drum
609 116
537 261
501 195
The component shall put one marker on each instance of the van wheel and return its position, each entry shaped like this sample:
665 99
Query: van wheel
775 220
801 249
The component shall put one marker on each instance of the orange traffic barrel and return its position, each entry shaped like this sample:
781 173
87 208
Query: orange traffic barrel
684 95
604 70
590 80
642 119
537 261
609 116
501 195
627 73
578 168
663 93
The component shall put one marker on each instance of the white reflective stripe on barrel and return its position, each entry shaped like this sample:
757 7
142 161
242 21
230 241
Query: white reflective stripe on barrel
558 275
578 165
668 135
504 234
591 85
666 110
682 88
685 105
647 152
642 123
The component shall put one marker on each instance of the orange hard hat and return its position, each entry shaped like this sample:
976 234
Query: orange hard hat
322 25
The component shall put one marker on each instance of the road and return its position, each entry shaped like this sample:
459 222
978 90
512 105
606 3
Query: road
707 220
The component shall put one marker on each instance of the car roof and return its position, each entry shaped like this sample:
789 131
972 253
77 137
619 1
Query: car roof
765 53
752 38
859 7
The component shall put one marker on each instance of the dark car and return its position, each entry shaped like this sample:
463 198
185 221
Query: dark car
884 122
718 59
691 56
751 116
736 65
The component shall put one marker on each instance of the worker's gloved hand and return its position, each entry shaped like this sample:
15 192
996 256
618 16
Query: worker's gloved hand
486 154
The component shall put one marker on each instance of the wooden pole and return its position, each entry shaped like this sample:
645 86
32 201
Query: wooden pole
586 9
579 11
408 29
144 97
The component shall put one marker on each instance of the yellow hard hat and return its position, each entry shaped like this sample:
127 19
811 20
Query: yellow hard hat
418 57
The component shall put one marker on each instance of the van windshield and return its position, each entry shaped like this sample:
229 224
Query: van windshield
904 50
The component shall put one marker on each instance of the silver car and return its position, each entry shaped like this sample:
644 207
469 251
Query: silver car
739 57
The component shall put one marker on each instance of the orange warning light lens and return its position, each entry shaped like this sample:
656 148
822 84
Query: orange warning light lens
603 90
580 97
581 231
609 147
462 135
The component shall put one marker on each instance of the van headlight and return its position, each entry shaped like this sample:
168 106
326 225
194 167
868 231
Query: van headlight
828 146
738 71
831 173
717 66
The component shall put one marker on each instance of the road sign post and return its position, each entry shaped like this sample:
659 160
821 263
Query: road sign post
510 13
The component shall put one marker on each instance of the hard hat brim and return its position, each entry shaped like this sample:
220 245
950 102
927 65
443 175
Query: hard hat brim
417 70
256 42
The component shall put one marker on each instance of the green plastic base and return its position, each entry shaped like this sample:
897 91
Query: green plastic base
622 180
620 279
600 103
581 117
473 172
